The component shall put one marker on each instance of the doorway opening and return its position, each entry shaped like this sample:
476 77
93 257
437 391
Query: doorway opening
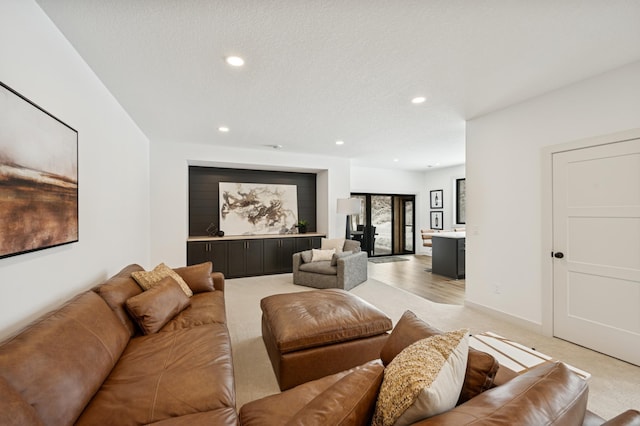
386 225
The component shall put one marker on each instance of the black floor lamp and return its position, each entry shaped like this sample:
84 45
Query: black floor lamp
348 206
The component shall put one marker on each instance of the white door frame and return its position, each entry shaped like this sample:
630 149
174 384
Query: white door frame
546 292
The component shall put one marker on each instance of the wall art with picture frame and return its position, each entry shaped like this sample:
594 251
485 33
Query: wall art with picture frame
461 201
39 175
436 220
436 199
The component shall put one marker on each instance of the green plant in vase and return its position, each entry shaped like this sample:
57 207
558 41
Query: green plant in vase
302 226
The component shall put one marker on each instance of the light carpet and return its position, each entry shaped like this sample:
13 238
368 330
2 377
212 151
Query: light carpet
614 386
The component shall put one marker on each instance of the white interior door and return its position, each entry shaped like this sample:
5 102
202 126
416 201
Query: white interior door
596 233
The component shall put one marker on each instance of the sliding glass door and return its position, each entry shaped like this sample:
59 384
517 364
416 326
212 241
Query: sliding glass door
386 225
381 224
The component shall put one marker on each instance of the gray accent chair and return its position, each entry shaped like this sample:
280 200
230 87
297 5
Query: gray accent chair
348 271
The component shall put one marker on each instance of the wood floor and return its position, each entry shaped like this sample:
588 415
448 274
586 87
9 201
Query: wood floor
413 277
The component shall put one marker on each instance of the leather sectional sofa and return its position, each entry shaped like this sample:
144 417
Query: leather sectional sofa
88 363
549 394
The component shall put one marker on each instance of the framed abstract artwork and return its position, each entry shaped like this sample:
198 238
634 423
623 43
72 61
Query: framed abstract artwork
258 208
38 177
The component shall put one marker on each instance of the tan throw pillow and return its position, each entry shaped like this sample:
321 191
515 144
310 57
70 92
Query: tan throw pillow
336 256
155 307
332 243
320 255
148 279
423 380
197 277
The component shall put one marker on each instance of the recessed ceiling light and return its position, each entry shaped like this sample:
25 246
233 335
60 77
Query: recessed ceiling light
418 100
234 61
395 160
223 129
339 142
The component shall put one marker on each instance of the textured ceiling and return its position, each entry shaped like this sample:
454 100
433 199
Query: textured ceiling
322 70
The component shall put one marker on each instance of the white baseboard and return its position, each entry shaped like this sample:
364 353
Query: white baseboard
513 319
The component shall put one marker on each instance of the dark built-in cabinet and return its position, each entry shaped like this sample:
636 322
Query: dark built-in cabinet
277 255
249 257
245 258
448 256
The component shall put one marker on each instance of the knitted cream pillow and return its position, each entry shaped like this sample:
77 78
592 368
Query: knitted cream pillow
148 279
423 380
320 255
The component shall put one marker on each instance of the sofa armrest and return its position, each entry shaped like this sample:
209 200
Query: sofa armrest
218 280
352 269
297 261
353 259
628 418
565 397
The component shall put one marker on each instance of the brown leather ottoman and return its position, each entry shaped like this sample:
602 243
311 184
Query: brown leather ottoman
313 334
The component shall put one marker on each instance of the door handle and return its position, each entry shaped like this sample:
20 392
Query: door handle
558 255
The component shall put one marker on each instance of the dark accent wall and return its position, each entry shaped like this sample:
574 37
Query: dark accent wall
204 198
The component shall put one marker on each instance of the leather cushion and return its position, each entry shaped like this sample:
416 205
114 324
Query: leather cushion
548 394
60 361
481 366
349 401
117 290
155 307
197 277
334 399
14 410
219 416
320 317
166 375
204 308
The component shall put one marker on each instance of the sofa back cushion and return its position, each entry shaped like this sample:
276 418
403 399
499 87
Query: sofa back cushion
350 401
352 246
117 290
198 277
548 394
59 362
481 366
14 410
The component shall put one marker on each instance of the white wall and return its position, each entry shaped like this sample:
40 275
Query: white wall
444 179
170 184
38 62
419 183
504 184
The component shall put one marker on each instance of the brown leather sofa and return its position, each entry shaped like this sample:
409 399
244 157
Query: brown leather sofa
549 394
86 363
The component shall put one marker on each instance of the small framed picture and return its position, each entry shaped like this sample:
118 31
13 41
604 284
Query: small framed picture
436 199
436 220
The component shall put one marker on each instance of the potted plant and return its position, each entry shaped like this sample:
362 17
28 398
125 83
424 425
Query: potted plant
302 226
